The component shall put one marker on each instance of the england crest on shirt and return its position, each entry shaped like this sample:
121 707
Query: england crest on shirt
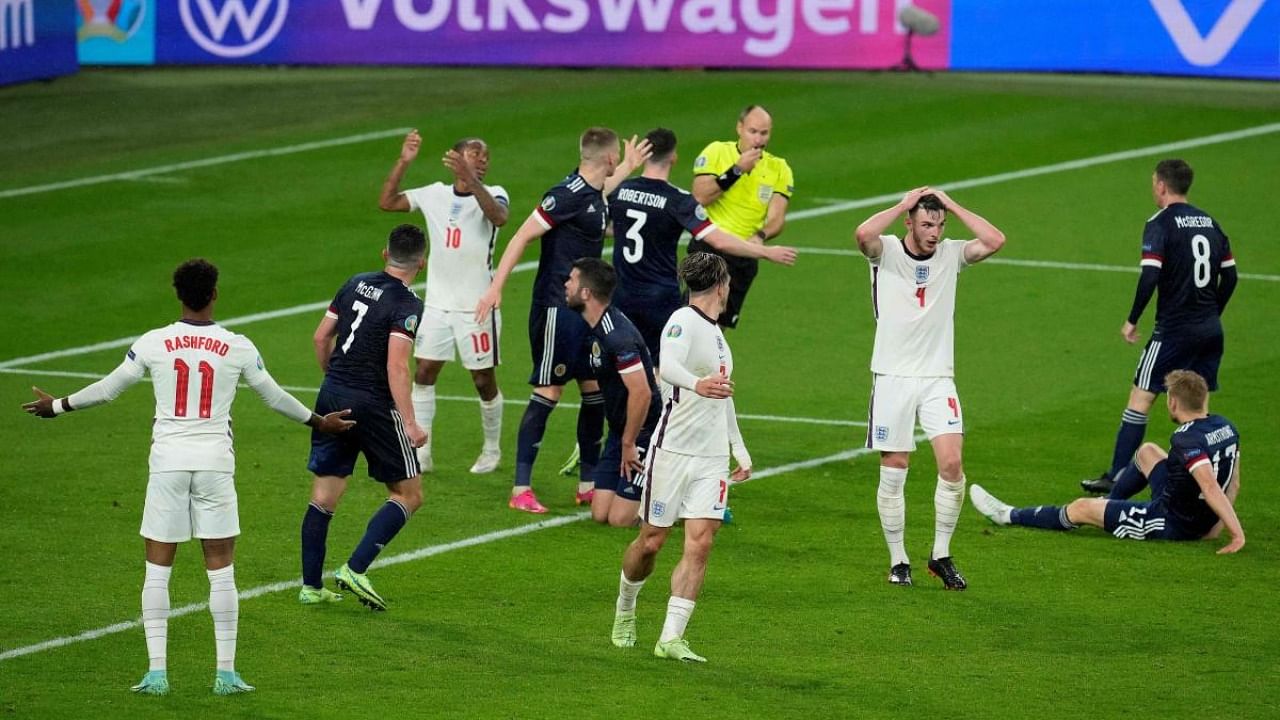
922 274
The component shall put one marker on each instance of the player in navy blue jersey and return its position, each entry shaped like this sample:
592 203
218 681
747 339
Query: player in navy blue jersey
364 344
1193 486
623 368
649 214
570 222
1185 254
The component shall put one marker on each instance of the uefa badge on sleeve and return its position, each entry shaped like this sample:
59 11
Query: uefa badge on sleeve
549 203
411 323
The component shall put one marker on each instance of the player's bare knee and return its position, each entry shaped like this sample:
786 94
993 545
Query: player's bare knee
895 460
218 552
486 382
951 469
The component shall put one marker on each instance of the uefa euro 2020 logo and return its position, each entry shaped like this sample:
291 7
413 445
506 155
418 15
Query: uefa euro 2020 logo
114 19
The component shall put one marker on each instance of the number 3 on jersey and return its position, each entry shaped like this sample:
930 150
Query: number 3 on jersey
634 253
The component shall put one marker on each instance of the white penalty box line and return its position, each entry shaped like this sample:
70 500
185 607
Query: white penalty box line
411 556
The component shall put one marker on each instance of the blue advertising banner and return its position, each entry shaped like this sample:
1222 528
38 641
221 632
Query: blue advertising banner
37 40
117 32
1229 38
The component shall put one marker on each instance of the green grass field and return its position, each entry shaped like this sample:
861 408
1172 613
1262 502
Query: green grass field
795 617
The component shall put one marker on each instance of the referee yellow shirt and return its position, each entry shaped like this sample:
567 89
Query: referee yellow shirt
742 208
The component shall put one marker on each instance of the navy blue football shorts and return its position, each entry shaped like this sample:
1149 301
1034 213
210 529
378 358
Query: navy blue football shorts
1149 520
608 472
558 344
378 433
1167 352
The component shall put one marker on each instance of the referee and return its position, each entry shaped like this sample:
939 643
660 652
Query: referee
745 191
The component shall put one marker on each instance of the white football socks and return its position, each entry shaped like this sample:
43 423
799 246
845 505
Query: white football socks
679 610
155 614
890 501
627 592
948 498
491 421
424 410
224 605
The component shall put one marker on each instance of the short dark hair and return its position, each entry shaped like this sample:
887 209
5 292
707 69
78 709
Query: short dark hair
406 245
1176 174
663 142
930 203
195 280
597 276
466 142
702 271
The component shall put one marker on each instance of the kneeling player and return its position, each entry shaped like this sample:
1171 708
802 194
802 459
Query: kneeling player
631 400
1193 486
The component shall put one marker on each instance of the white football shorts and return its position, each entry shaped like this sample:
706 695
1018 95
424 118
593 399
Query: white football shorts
442 332
682 487
896 403
185 504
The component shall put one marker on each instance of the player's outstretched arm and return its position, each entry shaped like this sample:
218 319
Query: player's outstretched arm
868 233
1221 505
322 340
634 153
638 401
400 380
987 237
391 200
531 230
731 244
103 391
278 399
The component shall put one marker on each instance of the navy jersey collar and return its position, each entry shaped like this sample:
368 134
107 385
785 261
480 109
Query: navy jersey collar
913 256
702 314
198 323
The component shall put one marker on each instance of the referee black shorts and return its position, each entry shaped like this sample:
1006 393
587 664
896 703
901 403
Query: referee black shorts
742 272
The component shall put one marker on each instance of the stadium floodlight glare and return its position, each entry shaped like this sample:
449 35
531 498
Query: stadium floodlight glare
917 21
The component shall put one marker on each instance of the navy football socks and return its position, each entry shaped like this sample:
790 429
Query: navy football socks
1133 427
532 427
590 433
382 528
315 531
1129 482
1047 517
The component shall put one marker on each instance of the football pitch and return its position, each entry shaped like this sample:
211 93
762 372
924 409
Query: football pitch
111 178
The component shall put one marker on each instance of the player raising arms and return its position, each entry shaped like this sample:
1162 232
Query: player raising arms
649 214
195 366
1187 257
362 344
623 368
688 466
462 225
1193 486
570 222
913 294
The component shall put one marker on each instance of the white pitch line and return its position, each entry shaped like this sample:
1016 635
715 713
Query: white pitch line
451 398
420 553
1017 262
1104 159
205 162
798 215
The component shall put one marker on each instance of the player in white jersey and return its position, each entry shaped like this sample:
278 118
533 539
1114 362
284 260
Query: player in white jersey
913 293
462 221
688 465
195 366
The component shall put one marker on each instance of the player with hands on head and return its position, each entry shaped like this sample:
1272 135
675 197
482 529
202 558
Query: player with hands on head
913 285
